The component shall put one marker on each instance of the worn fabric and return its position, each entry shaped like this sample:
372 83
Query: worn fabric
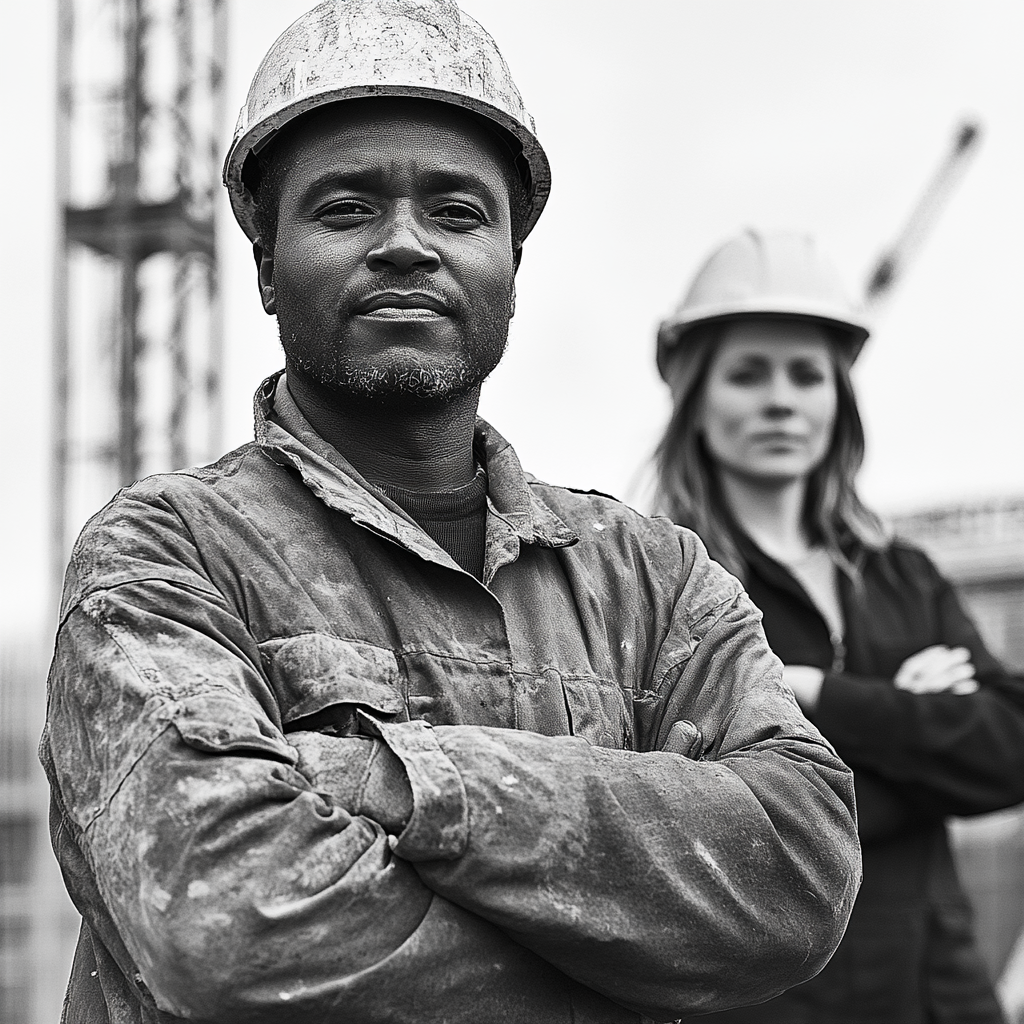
618 811
909 955
456 520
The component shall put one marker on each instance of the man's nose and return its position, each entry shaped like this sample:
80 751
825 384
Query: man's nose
402 246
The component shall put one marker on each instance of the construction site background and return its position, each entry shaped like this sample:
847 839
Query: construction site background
668 128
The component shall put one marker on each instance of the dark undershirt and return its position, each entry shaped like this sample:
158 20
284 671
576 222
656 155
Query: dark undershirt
456 520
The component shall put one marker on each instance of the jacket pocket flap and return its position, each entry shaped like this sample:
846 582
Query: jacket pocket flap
315 671
223 724
597 710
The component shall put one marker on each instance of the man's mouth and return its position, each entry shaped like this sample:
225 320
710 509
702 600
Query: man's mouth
402 306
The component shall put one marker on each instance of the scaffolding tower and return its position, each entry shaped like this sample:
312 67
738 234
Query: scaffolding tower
137 338
136 370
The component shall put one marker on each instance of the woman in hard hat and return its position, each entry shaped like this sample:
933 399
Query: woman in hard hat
760 458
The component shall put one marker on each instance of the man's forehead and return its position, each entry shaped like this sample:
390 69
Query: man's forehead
367 141
365 122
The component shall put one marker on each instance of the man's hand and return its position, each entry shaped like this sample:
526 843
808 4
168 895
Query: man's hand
805 682
359 773
938 669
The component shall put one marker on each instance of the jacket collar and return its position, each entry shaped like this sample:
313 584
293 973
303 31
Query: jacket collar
777 575
515 514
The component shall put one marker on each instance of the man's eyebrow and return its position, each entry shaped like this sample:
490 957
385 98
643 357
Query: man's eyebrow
439 179
356 178
445 180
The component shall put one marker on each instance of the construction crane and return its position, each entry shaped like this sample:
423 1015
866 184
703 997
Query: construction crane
894 260
137 325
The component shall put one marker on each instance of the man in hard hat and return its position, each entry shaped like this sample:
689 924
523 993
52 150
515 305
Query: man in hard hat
361 723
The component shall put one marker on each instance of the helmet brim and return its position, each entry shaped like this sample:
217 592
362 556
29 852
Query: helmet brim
673 332
260 135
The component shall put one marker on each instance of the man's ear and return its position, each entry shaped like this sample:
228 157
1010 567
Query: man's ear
517 258
265 273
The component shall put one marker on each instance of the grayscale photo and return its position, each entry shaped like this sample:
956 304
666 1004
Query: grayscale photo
516 515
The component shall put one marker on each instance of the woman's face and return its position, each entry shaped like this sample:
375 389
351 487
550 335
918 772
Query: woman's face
769 401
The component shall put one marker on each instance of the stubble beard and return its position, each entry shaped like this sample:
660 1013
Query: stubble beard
382 380
389 377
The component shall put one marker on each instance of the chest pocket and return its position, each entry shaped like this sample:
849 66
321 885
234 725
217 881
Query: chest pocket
597 712
322 680
554 704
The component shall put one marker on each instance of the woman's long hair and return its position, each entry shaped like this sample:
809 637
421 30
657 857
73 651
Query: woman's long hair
687 488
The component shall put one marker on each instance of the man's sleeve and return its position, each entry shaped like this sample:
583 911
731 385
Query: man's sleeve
226 886
672 884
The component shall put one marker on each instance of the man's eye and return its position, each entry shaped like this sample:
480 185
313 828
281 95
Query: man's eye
347 211
458 216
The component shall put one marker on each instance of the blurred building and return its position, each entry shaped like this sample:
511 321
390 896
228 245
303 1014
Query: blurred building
980 546
38 924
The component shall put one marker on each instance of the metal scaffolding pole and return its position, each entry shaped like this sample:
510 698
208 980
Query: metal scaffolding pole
136 343
136 379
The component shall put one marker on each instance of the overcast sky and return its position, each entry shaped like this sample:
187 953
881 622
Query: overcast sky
670 125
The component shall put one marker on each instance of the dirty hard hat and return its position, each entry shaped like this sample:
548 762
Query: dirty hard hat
348 49
765 274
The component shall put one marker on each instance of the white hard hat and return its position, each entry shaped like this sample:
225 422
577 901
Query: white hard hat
765 274
348 49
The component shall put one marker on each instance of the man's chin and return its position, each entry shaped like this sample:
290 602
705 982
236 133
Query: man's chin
388 384
401 373
420 382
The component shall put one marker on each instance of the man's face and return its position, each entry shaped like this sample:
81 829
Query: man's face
392 272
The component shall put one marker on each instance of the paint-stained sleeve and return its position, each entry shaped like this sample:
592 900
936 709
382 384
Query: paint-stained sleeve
224 886
715 865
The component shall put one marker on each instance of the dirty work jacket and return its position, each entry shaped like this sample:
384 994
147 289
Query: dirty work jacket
909 954
619 812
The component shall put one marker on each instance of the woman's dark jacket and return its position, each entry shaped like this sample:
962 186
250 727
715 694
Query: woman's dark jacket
909 955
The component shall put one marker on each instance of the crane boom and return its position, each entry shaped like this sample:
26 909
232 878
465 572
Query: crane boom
895 259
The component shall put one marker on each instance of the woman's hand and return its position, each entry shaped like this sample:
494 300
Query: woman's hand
938 669
805 682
